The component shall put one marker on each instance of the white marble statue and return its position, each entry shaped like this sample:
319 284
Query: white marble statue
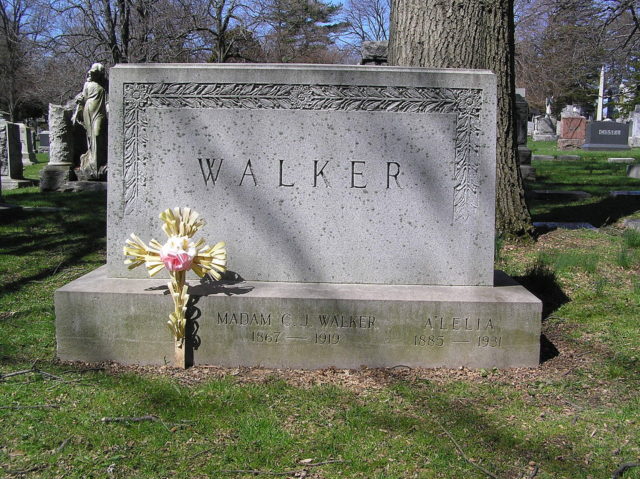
91 113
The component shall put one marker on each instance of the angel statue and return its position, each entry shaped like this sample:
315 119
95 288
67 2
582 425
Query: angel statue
91 113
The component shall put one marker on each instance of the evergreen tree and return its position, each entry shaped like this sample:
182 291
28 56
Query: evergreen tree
300 31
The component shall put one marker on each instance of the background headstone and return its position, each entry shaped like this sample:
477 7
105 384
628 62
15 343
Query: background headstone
524 153
522 114
633 171
571 111
63 150
26 139
44 140
572 132
544 129
632 223
607 135
619 194
621 160
4 164
374 53
12 166
553 195
634 138
61 136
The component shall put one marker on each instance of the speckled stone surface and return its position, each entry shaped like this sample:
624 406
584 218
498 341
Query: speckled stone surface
325 174
303 325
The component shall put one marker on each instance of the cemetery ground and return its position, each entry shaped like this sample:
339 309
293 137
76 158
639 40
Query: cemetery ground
576 416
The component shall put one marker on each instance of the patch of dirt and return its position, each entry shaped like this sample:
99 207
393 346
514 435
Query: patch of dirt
568 360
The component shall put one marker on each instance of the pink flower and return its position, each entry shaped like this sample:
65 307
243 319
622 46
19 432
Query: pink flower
176 262
177 253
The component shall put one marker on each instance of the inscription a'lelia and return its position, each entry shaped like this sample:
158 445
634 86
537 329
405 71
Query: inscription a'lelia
320 173
455 323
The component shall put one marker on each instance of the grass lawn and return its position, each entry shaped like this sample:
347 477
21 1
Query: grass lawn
592 174
576 416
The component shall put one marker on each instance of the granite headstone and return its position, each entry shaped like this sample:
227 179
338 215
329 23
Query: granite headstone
357 204
11 149
56 175
571 111
607 135
4 164
374 53
389 164
524 153
572 132
43 138
544 129
634 134
26 140
633 171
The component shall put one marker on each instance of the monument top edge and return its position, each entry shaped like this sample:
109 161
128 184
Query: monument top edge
294 66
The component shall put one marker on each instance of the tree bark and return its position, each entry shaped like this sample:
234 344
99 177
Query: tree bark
474 34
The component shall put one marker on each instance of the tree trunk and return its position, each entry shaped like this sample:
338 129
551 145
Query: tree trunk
470 34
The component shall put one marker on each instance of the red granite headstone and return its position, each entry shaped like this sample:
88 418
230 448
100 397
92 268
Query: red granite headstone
572 132
573 128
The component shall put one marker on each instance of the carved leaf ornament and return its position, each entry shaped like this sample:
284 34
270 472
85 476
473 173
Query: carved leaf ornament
465 103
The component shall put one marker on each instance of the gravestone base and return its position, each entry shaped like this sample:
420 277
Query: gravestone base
632 223
570 144
14 184
557 195
544 157
524 155
604 147
633 171
621 160
87 186
628 193
56 177
302 325
528 172
544 137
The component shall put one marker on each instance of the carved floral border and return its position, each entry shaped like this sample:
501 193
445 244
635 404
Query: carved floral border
466 103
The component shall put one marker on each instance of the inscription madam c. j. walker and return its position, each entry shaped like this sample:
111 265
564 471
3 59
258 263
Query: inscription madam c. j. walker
465 103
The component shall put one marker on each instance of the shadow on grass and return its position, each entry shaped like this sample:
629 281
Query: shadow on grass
548 350
542 282
469 424
600 213
67 236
